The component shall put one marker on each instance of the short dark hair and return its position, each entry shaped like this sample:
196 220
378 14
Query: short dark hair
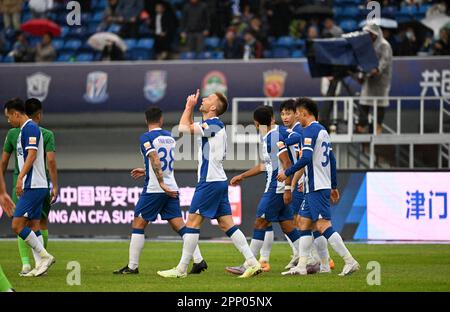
153 114
288 105
223 103
32 106
15 104
263 115
309 105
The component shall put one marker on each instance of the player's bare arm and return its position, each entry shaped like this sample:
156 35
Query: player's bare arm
286 163
137 173
297 176
53 172
186 124
5 161
156 166
236 180
32 155
5 201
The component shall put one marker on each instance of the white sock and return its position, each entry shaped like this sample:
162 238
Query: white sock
255 246
294 250
190 242
36 255
338 245
240 242
267 246
197 255
36 246
321 247
136 246
305 245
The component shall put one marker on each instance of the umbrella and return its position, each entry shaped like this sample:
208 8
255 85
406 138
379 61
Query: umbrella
40 27
420 29
382 22
98 41
436 22
315 10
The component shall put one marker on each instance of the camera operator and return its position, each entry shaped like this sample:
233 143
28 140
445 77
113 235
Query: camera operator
377 82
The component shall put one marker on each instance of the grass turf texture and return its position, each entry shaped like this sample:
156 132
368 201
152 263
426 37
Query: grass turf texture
403 268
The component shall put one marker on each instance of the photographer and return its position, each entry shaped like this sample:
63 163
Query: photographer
378 81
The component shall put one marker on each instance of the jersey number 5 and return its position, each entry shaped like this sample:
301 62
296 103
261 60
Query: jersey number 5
326 153
166 161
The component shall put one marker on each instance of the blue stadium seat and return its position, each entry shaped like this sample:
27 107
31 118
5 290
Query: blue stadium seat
207 55
140 54
99 4
64 57
145 44
85 47
78 32
98 17
389 11
285 42
114 28
218 55
424 8
58 43
281 53
212 43
297 54
72 45
408 10
299 43
64 31
348 25
85 57
267 54
131 43
8 59
351 11
188 56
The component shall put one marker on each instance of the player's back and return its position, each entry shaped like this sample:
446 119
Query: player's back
272 146
318 171
212 148
159 141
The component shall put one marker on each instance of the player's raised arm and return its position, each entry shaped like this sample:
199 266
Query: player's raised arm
156 166
247 174
186 124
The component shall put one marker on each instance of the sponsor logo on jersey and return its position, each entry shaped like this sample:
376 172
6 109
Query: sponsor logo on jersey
214 81
147 145
32 140
38 85
205 125
155 85
280 144
308 141
274 81
96 87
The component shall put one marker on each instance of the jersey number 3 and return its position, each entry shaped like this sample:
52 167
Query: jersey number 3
326 153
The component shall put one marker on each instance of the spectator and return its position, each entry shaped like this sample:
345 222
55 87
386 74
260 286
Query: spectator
232 46
246 15
129 11
111 52
111 15
257 31
408 43
297 28
22 52
442 46
162 26
330 30
252 47
40 8
312 33
378 81
195 25
11 13
45 52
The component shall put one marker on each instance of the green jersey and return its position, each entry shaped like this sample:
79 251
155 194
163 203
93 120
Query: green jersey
10 145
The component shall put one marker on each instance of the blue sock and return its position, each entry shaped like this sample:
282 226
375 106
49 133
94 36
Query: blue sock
294 235
316 234
182 231
138 231
231 231
328 232
25 232
38 233
259 234
305 233
192 231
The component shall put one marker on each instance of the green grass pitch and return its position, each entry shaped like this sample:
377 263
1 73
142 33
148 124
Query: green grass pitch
403 268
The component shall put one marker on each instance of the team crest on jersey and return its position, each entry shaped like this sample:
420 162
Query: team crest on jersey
308 141
155 85
214 81
32 141
96 87
274 81
38 85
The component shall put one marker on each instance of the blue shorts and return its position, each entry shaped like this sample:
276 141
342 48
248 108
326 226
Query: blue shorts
151 204
271 207
297 200
211 200
30 204
317 205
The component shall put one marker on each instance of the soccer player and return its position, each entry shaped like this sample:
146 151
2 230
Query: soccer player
211 194
31 185
33 109
320 187
8 206
274 204
160 193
